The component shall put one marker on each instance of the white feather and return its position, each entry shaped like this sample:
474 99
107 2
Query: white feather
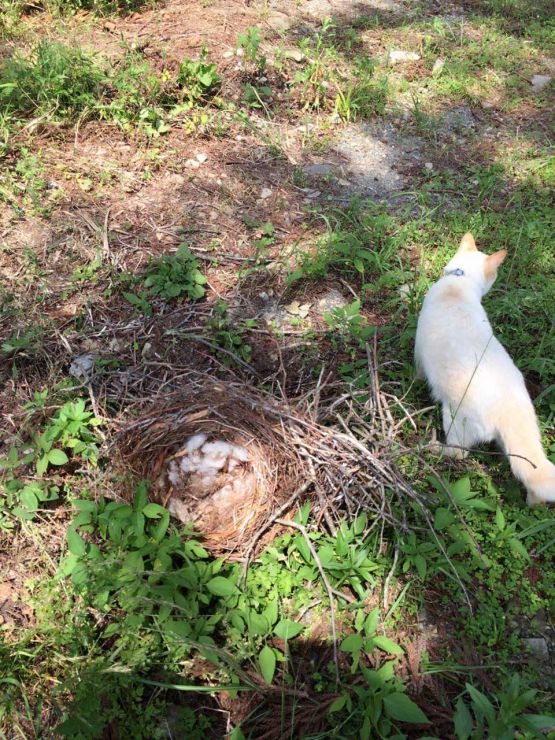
219 448
173 474
240 453
195 442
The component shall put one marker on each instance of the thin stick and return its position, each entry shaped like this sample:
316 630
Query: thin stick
389 577
302 530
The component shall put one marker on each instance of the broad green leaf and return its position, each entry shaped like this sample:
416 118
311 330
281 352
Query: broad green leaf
267 660
162 527
85 505
499 519
480 504
351 644
114 530
287 629
326 556
153 511
462 720
341 546
366 729
183 629
220 586
398 706
140 499
258 624
517 548
384 643
387 671
540 721
42 464
68 565
28 498
301 517
75 543
481 702
138 523
57 457
338 704
371 622
237 621
360 524
134 562
84 517
421 565
271 612
23 514
460 490
443 518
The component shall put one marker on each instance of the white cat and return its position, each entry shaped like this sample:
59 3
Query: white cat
482 392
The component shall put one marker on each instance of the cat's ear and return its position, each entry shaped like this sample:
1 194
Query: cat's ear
467 244
493 262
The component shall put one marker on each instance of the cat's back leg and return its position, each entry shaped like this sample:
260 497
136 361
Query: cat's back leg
461 432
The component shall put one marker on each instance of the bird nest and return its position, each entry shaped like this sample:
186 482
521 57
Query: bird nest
215 459
232 460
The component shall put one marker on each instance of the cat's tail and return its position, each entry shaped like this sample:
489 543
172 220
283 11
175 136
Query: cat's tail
520 437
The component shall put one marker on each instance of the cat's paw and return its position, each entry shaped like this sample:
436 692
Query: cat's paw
533 500
457 453
438 448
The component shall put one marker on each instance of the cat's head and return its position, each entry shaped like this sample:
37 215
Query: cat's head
479 267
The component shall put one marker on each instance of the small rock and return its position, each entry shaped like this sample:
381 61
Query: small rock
201 157
148 350
298 309
538 82
397 55
459 120
537 647
264 296
318 170
311 193
175 179
306 128
279 21
404 291
266 193
228 54
438 66
428 166
293 53
192 164
318 9
331 300
117 345
82 367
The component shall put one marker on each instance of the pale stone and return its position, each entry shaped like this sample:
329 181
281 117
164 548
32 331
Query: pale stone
540 81
438 66
398 55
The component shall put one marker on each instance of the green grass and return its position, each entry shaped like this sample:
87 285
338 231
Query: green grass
56 79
